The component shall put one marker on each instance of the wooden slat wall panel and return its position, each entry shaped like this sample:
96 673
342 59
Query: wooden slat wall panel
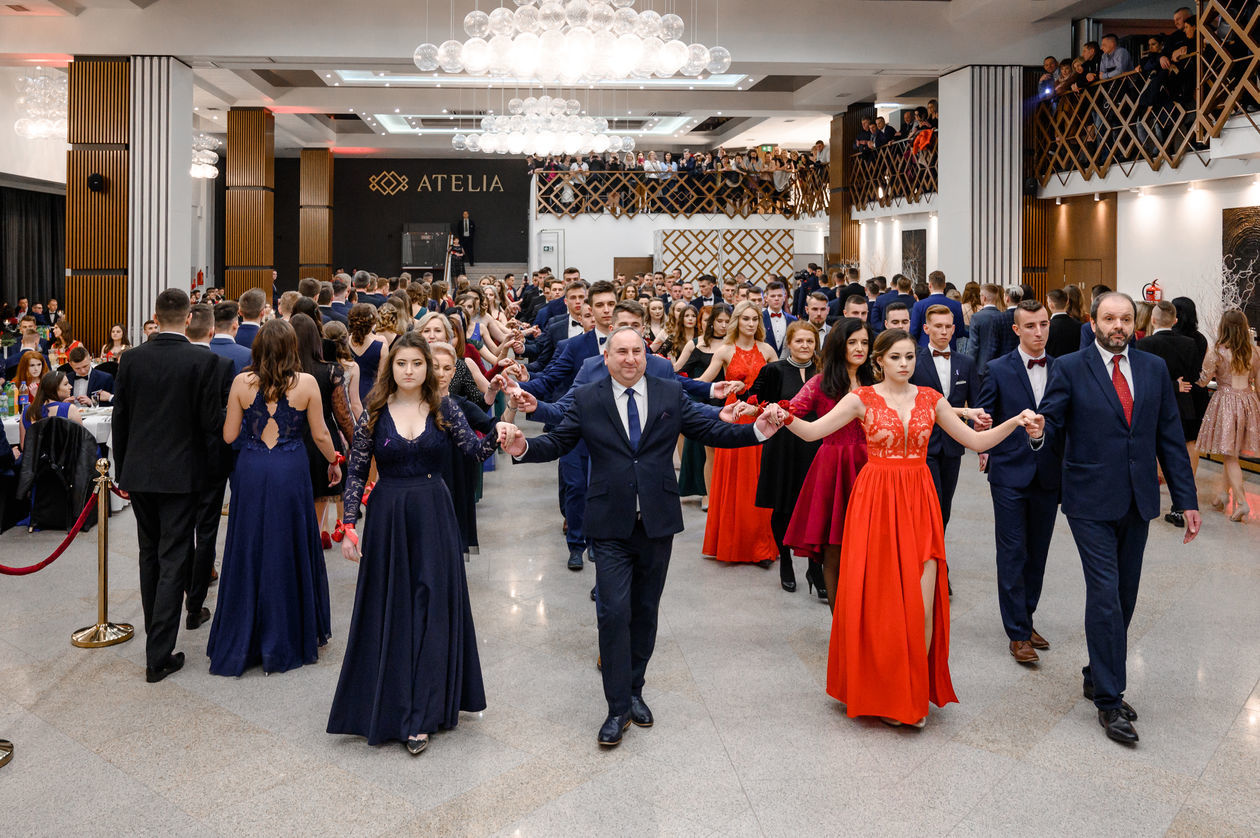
248 232
99 92
251 159
96 302
321 272
96 222
315 236
1036 251
846 234
316 188
239 280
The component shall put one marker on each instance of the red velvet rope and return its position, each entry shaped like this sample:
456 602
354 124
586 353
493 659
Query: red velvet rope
61 548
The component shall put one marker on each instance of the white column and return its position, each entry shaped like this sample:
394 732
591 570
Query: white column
160 228
980 165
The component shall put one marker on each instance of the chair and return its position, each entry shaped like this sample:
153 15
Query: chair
57 470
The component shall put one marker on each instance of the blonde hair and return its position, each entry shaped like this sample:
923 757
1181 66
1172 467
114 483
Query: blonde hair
732 331
441 347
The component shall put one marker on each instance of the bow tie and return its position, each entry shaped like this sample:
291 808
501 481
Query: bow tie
575 323
936 354
1037 362
780 314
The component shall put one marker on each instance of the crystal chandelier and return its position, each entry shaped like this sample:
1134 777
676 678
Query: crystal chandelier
42 98
204 157
543 125
574 41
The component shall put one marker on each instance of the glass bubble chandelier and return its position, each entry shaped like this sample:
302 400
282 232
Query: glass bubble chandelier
574 41
205 156
543 125
42 102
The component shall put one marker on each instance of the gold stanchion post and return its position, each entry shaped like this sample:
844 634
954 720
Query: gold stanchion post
104 633
6 751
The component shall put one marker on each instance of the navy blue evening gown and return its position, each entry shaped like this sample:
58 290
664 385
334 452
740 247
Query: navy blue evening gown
411 660
273 606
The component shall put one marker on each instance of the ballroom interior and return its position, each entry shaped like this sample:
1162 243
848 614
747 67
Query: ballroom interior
149 144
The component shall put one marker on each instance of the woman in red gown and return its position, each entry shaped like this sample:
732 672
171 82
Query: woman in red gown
890 630
817 524
737 530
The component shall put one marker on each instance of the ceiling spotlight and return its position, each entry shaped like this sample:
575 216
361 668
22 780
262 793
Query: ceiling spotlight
1097 196
1058 202
395 110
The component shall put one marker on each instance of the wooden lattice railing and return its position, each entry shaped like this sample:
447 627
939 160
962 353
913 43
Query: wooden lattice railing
892 174
803 192
1228 43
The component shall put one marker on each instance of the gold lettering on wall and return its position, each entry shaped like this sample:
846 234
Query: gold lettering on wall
392 183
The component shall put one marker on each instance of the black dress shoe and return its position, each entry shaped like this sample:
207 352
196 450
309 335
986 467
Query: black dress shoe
1175 518
173 664
765 563
790 587
613 727
1128 712
575 558
1119 729
639 712
194 621
592 593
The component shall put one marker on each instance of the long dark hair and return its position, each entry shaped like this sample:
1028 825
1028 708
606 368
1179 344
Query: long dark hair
1187 317
714 311
274 359
835 366
310 346
386 386
47 392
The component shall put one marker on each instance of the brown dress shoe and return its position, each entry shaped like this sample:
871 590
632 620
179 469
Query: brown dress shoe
1023 651
1038 642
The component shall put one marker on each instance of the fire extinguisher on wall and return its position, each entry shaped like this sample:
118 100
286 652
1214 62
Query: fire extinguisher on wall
1151 292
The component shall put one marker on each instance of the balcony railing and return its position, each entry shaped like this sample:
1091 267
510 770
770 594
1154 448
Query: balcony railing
1229 69
803 192
893 174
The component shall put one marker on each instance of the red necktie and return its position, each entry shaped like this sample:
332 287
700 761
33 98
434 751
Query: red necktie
936 354
1122 388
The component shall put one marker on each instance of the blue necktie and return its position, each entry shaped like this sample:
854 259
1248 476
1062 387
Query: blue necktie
632 418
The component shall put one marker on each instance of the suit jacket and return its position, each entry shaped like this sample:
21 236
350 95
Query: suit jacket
1006 392
623 477
808 286
328 312
765 321
963 389
918 316
559 374
1065 335
220 457
548 311
165 405
341 307
557 328
876 314
1107 463
245 334
1007 339
1179 353
698 303
226 347
594 369
98 380
985 341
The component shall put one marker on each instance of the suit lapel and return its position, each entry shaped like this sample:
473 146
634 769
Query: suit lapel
654 398
609 400
1095 363
1139 393
929 371
1021 372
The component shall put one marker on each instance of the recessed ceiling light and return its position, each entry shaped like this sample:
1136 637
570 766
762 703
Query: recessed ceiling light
719 113
336 84
395 110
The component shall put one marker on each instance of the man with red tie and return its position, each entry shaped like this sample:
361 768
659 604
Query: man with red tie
774 318
1116 412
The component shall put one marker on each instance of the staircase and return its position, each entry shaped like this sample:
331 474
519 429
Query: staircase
497 270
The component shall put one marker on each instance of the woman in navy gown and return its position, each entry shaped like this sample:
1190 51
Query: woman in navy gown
273 604
411 660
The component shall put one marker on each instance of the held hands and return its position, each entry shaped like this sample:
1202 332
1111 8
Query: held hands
737 410
722 389
523 401
982 420
771 419
511 439
1033 423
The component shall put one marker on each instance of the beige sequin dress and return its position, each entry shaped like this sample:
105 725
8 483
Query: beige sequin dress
1231 424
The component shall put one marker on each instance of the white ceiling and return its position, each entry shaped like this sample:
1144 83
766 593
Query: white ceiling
311 59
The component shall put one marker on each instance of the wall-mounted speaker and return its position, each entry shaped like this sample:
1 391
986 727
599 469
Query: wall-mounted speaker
96 182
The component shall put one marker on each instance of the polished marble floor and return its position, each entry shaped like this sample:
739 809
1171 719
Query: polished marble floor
746 742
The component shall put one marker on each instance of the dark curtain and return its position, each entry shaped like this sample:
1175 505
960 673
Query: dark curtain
32 245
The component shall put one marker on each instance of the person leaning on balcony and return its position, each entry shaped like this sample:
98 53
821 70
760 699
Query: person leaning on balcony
1115 59
1067 77
1181 81
1089 58
1177 39
883 133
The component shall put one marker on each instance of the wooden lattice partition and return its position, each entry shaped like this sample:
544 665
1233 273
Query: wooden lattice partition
723 253
1228 44
682 194
893 174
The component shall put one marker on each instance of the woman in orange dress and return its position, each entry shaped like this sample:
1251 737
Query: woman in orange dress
737 530
890 630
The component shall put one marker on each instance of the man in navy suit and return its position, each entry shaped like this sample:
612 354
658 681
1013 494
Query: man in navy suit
882 301
84 381
1116 411
985 323
953 376
1024 484
774 318
1008 337
251 307
709 294
555 304
340 288
630 423
936 283
224 342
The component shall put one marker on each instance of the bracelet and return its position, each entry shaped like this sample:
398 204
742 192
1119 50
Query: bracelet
340 458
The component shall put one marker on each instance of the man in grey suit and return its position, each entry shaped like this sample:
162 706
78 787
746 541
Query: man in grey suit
985 328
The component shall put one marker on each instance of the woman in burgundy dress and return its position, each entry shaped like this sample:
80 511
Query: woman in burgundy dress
817 524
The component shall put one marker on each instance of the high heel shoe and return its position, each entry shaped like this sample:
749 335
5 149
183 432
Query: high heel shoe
339 532
813 577
1220 500
1241 510
416 746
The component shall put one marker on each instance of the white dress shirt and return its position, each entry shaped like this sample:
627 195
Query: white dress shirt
1125 369
942 368
601 340
1036 375
779 326
575 325
622 402
80 386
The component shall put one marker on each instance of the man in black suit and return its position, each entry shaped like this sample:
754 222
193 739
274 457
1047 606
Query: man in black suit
466 229
1065 330
219 461
1178 352
709 293
165 406
632 510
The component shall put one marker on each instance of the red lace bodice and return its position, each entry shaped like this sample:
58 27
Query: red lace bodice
887 436
744 366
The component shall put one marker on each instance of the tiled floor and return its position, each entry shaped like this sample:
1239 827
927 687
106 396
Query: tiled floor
746 742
